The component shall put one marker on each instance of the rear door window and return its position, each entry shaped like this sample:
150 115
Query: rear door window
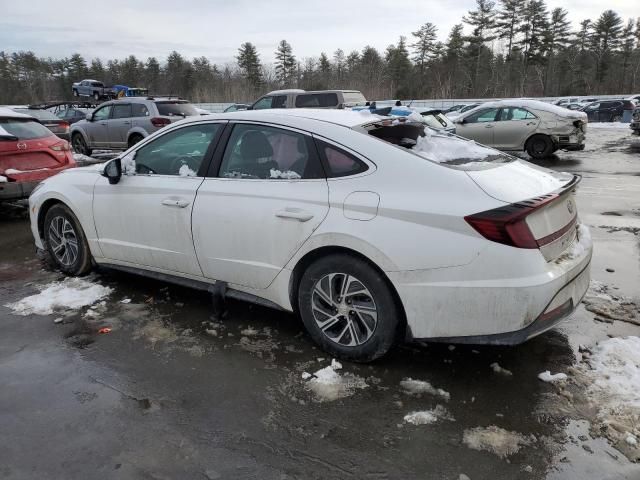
263 152
139 110
279 101
516 114
13 128
121 111
483 116
317 100
339 163
175 109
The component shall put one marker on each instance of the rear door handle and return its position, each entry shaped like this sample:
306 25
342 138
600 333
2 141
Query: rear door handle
295 213
126 123
172 202
488 126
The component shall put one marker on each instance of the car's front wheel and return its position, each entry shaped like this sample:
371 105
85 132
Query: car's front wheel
348 308
79 145
133 139
539 146
66 242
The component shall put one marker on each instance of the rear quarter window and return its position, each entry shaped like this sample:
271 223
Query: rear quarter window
23 129
315 100
339 163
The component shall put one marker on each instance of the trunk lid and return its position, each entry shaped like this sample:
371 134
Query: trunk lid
553 218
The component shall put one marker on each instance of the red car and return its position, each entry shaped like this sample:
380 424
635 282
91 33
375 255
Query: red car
29 153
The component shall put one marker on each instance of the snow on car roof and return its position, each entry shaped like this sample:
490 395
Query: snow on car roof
525 103
345 118
8 113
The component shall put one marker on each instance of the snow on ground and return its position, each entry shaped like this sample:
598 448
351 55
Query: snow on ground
608 125
69 294
426 417
496 440
328 385
417 387
549 377
498 369
609 306
614 389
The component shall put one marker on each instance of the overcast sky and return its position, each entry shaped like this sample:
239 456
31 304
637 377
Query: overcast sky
216 28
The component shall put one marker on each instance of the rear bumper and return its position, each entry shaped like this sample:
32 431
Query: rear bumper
505 296
635 125
64 136
16 190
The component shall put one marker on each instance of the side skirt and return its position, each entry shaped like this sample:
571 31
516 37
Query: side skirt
195 284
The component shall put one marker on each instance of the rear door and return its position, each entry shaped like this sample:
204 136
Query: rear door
515 125
592 111
119 125
479 126
268 198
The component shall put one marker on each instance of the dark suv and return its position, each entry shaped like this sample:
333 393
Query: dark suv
635 121
607 110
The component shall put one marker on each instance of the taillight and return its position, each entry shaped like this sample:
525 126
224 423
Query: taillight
160 122
507 225
61 147
64 125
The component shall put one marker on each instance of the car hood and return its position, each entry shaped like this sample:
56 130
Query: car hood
518 180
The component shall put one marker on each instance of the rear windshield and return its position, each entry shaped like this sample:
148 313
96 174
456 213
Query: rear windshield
39 114
353 97
436 145
19 129
174 108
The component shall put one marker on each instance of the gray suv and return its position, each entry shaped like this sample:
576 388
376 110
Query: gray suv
295 98
119 124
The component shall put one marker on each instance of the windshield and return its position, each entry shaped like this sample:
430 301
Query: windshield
39 114
436 146
176 108
22 129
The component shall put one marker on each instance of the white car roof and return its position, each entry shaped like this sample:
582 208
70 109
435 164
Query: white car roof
8 113
345 118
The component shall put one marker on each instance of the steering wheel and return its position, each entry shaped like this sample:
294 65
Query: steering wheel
188 160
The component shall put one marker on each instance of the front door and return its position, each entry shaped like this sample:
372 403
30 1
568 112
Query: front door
515 125
479 126
145 219
269 196
98 129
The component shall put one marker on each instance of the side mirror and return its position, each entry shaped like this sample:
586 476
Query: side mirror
89 117
113 171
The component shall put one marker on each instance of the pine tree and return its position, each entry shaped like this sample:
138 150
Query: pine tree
626 51
285 64
339 65
249 64
557 38
398 67
425 46
483 22
604 41
508 21
534 27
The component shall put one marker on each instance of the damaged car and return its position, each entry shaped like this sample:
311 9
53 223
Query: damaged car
539 128
372 229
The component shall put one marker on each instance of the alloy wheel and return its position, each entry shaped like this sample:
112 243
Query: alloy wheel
344 309
78 145
63 241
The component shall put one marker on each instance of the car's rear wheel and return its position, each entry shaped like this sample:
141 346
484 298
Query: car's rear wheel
539 146
79 145
348 308
133 139
66 242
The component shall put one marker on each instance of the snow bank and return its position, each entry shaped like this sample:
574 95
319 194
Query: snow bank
69 294
328 385
496 440
548 377
416 387
498 369
426 417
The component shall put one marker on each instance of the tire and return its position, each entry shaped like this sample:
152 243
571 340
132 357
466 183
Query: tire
66 242
133 139
616 118
539 147
79 145
360 335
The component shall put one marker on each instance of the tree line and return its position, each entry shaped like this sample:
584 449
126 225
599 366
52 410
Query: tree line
511 48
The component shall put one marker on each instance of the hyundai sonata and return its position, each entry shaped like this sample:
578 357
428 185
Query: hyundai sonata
372 229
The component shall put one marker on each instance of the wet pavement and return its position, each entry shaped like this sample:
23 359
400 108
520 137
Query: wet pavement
171 392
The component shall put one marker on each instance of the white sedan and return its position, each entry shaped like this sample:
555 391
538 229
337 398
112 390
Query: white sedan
373 229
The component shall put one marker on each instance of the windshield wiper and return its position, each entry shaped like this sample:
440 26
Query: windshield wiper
8 138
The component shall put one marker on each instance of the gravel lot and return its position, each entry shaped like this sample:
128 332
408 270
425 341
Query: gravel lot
171 392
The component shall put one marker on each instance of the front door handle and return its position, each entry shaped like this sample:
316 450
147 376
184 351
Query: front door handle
488 126
172 202
126 123
295 213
